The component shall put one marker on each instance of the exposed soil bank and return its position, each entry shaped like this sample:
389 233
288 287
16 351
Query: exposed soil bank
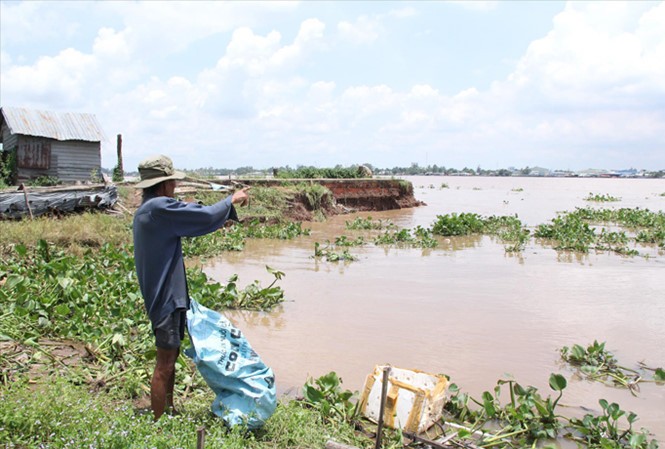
351 195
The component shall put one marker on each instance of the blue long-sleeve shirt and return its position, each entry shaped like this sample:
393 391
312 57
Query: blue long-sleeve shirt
159 224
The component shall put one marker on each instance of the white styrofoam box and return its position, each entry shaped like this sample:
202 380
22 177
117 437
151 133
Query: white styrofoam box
414 400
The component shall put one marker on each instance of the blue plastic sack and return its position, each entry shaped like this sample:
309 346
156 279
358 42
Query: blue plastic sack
244 385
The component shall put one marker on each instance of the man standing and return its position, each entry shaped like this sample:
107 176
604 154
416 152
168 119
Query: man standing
159 224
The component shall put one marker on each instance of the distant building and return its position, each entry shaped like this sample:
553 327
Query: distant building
539 171
62 145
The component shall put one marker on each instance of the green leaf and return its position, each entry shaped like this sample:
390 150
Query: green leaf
62 309
463 433
65 282
557 382
312 394
659 375
118 339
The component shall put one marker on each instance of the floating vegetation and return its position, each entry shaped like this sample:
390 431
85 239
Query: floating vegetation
508 229
228 296
518 189
343 240
224 239
444 186
420 238
596 363
601 198
569 232
360 223
281 231
233 237
529 419
328 252
458 224
574 231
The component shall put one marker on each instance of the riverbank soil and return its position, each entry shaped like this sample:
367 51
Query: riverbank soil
298 199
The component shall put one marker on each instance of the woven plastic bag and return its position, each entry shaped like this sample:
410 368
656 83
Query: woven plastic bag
243 384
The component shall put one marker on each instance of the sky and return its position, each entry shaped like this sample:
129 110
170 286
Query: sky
490 84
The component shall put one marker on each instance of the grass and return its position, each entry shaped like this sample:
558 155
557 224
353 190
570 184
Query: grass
70 416
74 232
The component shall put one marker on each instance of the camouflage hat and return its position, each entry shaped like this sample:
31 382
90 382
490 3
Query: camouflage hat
156 169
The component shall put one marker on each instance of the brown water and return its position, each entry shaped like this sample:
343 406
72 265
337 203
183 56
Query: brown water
466 308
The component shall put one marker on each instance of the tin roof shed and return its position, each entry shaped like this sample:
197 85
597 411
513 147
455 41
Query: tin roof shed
54 125
61 145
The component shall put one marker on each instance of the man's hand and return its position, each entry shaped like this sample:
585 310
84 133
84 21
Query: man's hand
241 197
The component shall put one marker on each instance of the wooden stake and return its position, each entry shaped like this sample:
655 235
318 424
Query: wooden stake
384 392
120 168
27 203
200 437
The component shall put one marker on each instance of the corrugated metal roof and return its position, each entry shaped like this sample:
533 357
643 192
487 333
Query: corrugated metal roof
54 125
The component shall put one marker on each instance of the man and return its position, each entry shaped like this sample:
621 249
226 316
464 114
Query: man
159 224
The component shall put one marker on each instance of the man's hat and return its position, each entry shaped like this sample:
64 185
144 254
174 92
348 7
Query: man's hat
156 169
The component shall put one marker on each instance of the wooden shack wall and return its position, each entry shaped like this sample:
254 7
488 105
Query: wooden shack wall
9 140
70 161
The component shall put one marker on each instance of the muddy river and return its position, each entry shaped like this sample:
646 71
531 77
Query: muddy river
466 308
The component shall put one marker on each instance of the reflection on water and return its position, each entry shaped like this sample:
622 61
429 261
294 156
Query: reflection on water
466 308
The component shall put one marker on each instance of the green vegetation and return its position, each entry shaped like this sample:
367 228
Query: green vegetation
458 224
327 397
596 363
94 299
45 181
267 204
607 431
68 287
601 198
7 168
233 238
337 172
68 416
421 238
574 230
318 197
360 223
529 420
74 234
328 252
509 230
343 240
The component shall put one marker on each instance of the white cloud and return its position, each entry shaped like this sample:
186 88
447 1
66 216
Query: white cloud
596 79
59 79
363 31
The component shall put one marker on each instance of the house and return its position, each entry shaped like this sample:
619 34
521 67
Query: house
61 145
